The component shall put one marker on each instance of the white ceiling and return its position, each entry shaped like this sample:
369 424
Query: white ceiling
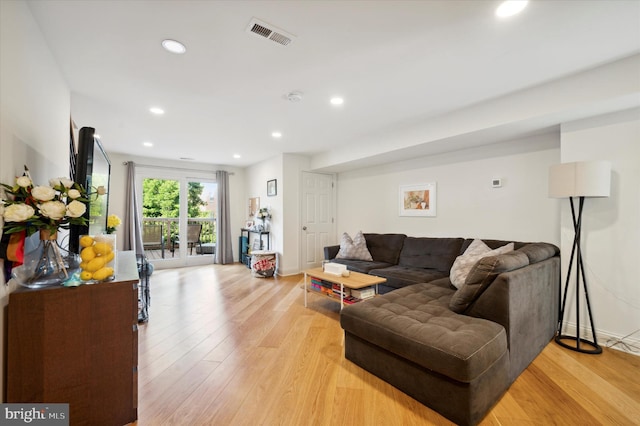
396 63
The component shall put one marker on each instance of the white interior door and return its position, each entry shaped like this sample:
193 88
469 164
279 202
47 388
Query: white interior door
318 223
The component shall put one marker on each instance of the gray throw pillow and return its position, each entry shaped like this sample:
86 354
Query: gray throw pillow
463 263
355 249
483 273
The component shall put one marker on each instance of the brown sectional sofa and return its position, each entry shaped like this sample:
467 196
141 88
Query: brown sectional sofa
454 350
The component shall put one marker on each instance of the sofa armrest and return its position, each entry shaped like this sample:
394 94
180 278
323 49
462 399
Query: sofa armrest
525 302
330 252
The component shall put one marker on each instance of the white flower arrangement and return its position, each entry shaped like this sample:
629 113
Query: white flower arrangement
263 214
33 208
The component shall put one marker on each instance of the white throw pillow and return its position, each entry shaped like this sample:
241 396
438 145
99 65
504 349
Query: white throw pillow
465 262
353 249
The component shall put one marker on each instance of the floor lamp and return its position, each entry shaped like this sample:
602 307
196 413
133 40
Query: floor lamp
578 180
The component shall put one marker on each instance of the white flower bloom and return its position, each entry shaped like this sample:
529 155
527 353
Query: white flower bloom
43 193
74 193
76 209
53 209
67 183
101 190
18 212
23 181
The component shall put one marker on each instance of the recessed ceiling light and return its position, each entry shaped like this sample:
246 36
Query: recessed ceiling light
147 144
156 110
236 155
337 101
174 46
276 134
510 8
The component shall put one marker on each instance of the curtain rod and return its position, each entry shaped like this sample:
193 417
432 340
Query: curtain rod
182 169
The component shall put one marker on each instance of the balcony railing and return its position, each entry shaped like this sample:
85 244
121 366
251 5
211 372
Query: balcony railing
171 233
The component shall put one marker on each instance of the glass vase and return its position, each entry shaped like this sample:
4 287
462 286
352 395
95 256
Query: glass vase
98 256
47 265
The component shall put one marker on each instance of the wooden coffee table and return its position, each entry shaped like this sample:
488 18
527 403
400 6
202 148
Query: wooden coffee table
355 280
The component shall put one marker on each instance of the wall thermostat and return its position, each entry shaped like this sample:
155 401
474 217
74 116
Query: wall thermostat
496 183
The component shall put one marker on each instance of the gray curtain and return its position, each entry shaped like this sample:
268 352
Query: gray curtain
132 226
224 249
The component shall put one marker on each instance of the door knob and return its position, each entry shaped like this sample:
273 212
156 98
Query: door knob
304 228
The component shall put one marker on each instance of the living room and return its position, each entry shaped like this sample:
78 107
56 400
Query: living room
590 114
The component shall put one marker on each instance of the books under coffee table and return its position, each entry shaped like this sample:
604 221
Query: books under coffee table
340 288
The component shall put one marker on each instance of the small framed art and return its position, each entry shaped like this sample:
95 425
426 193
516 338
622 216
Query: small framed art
418 200
272 187
254 206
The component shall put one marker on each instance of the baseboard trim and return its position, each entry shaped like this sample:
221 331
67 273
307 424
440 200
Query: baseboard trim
628 343
287 273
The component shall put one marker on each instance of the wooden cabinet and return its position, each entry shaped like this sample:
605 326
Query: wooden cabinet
78 346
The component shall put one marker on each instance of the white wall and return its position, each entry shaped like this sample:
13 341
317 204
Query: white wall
285 206
256 186
610 226
34 114
35 100
467 205
294 165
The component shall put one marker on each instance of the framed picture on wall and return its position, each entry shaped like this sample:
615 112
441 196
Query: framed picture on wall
254 206
418 200
272 188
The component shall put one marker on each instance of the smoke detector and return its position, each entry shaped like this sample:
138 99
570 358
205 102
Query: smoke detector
261 29
294 96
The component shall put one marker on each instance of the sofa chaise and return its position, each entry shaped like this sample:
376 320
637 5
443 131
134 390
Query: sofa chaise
456 350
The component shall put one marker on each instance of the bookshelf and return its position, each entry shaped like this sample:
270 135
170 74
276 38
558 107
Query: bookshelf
246 245
336 287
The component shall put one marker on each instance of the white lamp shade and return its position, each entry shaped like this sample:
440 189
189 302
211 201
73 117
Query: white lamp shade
580 179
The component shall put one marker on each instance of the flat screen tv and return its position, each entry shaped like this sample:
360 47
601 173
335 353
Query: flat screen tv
93 170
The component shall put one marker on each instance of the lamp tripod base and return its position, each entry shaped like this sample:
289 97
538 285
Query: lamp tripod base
576 342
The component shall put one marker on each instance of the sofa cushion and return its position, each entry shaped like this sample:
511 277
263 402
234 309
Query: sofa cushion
400 276
415 323
483 273
463 263
537 252
355 248
385 247
363 266
430 253
330 252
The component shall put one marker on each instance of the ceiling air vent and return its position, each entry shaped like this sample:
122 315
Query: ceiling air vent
263 30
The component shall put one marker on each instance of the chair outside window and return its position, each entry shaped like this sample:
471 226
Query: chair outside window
193 238
153 238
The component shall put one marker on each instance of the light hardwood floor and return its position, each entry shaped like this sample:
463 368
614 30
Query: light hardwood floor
224 348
